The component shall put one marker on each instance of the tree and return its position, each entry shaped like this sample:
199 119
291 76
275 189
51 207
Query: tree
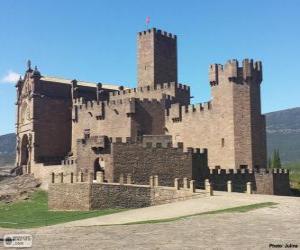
278 159
269 162
276 162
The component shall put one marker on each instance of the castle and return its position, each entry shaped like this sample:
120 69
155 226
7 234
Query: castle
73 126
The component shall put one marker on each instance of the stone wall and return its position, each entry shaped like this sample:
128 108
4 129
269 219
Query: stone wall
170 92
91 196
100 119
64 196
162 195
164 140
281 182
239 179
52 128
168 163
43 172
113 195
92 151
154 155
148 118
122 118
274 181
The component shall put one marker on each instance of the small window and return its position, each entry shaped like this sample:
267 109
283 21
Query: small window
86 133
222 142
243 166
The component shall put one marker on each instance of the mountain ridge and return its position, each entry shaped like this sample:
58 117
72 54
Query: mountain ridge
283 133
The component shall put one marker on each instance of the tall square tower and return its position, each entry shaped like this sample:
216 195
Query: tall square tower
157 57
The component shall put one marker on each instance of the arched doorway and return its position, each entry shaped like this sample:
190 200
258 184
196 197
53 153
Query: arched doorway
98 166
24 151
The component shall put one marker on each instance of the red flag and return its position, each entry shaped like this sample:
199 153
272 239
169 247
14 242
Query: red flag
147 20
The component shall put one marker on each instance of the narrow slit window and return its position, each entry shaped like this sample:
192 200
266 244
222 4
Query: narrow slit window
86 133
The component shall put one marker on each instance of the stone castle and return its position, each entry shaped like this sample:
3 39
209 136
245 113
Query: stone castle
73 126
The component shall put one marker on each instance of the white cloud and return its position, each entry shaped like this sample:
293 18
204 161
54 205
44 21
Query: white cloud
10 77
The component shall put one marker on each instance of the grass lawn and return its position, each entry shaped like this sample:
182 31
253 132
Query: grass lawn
34 213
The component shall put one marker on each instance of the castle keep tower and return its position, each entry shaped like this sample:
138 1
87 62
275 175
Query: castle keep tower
157 57
236 95
231 125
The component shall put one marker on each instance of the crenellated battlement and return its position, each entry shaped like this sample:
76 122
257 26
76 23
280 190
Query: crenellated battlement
179 146
170 87
167 85
248 171
263 181
85 102
157 32
68 161
126 101
196 107
249 71
177 112
93 105
100 109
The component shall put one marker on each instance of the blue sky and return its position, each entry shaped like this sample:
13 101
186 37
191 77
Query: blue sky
96 41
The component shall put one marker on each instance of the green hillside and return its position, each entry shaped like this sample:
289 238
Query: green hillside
283 133
7 149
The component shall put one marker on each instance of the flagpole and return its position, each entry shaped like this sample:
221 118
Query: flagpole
147 22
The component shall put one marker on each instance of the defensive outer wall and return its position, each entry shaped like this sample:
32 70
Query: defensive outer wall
71 192
91 195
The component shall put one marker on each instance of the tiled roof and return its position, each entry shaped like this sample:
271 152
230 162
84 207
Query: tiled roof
81 83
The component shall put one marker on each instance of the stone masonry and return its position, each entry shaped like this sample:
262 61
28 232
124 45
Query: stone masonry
77 126
100 195
153 155
274 181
